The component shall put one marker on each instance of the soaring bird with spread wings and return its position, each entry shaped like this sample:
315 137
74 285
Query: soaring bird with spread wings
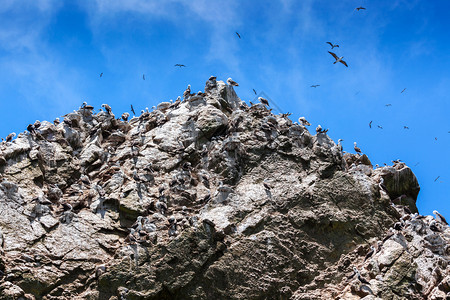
338 59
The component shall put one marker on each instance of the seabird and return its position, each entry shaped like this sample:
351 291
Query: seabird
370 124
30 128
315 85
357 149
440 217
303 121
433 226
358 275
263 101
338 59
379 126
239 36
359 8
403 90
143 76
179 65
125 116
370 253
319 129
10 137
66 206
254 91
405 127
388 105
107 108
187 92
267 185
101 74
37 124
437 178
435 138
332 46
232 82
398 226
56 121
389 235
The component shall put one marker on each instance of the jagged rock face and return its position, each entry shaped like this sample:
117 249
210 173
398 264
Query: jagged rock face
229 201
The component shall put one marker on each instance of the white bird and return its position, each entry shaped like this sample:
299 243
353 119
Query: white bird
232 82
338 59
303 121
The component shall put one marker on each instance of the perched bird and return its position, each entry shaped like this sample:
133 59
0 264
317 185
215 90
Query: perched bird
403 90
370 253
405 127
239 36
332 46
315 85
387 105
10 137
132 110
359 8
267 185
101 74
440 217
338 59
357 149
107 108
125 116
179 65
358 275
31 129
56 121
389 235
263 101
187 92
303 121
232 82
254 91
370 124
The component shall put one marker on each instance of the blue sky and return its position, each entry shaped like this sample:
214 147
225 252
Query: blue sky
52 52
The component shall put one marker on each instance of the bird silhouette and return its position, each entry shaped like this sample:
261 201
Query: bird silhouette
179 65
315 85
338 59
239 36
332 46
370 124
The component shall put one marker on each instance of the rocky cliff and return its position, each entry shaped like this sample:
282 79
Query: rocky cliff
208 198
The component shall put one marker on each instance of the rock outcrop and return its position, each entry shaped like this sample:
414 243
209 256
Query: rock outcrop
208 198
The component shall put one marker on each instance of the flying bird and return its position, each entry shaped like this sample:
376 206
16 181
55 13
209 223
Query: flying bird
332 46
405 127
254 91
132 110
437 178
403 90
370 124
179 65
143 76
263 101
315 85
239 36
387 105
359 8
101 74
379 126
338 59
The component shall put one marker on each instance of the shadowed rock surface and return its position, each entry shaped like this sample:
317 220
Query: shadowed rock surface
226 201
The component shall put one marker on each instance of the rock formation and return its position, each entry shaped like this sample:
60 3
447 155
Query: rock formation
208 198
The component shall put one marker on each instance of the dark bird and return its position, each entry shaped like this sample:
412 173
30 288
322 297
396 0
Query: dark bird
315 85
254 91
101 74
370 253
132 110
267 185
403 90
263 101
232 82
125 116
31 129
388 105
440 217
359 8
435 138
370 124
357 149
405 127
358 275
179 65
433 226
437 178
10 137
143 76
239 36
338 59
379 126
107 108
332 46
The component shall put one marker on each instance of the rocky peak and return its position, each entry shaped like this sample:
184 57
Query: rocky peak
202 197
